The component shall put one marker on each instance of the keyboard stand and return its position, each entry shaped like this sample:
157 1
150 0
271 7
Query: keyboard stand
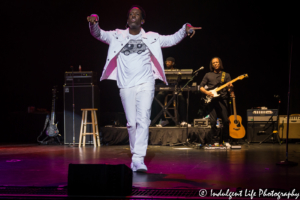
165 109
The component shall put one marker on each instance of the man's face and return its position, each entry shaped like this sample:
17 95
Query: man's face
215 63
169 63
135 18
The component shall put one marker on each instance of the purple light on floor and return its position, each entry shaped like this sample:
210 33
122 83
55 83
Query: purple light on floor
13 160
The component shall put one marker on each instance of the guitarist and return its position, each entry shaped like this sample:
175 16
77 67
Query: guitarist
218 107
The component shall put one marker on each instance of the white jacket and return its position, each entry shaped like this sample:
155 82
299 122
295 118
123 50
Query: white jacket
117 39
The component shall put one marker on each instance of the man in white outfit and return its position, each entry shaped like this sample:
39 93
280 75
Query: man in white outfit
135 60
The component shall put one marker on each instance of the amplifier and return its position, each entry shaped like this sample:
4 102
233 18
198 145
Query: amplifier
294 126
85 96
258 131
81 78
259 115
202 122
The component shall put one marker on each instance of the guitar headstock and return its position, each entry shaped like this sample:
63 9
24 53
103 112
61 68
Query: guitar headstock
243 76
54 91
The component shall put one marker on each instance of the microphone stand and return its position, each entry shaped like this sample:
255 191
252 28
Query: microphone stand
287 162
276 127
188 99
187 111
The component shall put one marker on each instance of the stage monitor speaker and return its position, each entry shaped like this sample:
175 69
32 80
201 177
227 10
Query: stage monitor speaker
85 96
258 131
104 180
294 126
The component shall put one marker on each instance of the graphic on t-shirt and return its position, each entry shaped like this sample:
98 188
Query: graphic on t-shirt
134 46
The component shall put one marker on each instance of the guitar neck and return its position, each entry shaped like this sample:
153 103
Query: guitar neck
225 85
52 113
234 108
53 109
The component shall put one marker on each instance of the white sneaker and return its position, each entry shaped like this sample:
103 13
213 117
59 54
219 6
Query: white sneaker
138 166
227 145
185 124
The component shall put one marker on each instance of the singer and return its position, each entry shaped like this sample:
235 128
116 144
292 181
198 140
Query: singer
135 60
218 106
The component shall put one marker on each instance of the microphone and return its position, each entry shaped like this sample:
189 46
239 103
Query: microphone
199 69
191 31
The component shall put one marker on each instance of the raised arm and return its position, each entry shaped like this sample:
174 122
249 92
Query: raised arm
171 40
96 31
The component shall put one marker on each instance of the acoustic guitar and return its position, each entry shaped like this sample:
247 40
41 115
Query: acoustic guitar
236 128
216 90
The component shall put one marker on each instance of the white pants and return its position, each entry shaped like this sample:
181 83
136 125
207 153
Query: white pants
137 103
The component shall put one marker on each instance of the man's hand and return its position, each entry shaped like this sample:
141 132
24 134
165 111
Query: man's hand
230 86
210 94
190 30
230 89
93 19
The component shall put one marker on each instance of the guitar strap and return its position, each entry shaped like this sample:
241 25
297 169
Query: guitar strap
223 77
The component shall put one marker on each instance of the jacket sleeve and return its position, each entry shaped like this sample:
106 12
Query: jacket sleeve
171 40
99 34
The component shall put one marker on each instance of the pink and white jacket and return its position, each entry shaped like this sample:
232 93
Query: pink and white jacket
117 39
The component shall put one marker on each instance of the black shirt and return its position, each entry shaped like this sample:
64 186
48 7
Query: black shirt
213 80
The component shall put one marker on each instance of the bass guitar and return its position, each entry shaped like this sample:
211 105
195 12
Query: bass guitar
216 90
52 130
236 128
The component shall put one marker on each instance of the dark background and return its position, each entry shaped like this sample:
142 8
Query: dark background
42 39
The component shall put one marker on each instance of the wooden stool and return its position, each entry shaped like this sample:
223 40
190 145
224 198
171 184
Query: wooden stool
94 123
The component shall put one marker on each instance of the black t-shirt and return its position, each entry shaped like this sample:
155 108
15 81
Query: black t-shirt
213 80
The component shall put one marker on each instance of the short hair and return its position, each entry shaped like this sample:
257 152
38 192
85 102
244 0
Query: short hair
211 66
139 7
170 59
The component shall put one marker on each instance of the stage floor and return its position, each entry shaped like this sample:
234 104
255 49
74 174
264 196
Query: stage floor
251 167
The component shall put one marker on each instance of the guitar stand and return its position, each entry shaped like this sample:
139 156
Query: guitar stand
51 140
47 141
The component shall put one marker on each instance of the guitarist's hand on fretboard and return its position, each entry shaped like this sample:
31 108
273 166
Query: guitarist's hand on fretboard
230 89
230 86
